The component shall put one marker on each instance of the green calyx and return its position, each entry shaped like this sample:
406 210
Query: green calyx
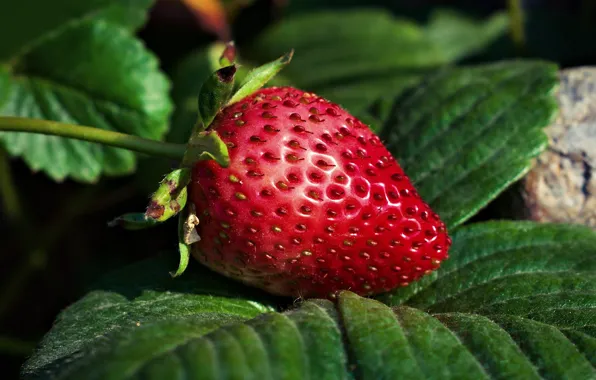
217 92
259 77
187 235
204 143
168 200
170 196
133 221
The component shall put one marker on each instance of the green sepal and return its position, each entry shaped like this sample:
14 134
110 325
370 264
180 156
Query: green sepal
133 221
206 145
228 56
187 235
215 93
258 77
170 196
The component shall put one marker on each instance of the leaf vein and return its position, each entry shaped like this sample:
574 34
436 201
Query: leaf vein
511 275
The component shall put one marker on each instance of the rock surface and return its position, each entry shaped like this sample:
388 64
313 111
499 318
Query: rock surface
562 185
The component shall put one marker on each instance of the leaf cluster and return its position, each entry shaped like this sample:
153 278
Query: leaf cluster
515 300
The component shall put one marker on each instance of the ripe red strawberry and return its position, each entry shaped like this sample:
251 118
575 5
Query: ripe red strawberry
311 203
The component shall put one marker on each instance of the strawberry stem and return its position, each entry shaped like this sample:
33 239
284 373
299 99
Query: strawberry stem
96 135
516 14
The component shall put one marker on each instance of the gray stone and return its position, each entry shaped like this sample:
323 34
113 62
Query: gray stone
562 186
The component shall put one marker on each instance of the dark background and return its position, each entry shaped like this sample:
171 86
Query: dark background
63 245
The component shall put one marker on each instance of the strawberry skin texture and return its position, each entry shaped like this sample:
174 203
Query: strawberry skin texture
312 202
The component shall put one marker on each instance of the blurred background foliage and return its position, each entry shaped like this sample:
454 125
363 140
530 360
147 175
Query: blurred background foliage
54 236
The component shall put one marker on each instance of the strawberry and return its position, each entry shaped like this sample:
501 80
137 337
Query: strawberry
290 193
311 202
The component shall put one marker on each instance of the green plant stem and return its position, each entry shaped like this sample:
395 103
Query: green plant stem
516 16
96 135
37 256
16 347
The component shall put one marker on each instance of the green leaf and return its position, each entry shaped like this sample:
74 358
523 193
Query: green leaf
500 354
130 14
215 93
548 348
430 340
65 79
354 57
459 35
259 77
514 258
349 65
31 22
536 282
515 301
464 135
370 324
141 312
